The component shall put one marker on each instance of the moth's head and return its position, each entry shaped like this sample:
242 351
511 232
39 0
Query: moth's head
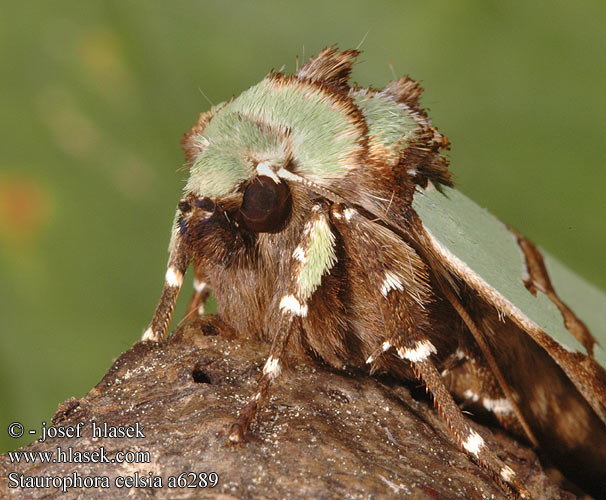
312 130
245 155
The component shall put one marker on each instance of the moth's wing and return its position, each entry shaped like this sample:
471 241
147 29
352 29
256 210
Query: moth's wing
482 251
585 299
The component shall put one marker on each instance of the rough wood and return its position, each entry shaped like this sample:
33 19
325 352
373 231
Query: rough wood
323 435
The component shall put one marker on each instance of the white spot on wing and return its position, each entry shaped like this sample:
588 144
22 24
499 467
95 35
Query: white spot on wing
474 443
291 304
497 406
392 282
470 395
265 169
174 277
420 352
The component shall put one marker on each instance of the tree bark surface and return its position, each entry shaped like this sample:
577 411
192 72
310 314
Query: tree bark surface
324 434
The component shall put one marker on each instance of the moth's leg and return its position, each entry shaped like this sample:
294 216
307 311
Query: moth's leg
271 370
416 347
399 281
469 378
418 350
177 264
388 265
313 258
197 303
418 353
478 336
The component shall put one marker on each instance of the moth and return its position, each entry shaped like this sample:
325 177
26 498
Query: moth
322 217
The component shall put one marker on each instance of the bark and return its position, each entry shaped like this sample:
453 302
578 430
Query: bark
323 434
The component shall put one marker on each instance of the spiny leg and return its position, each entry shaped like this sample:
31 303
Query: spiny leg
414 346
271 370
190 210
478 336
197 303
311 260
418 354
390 266
177 264
469 378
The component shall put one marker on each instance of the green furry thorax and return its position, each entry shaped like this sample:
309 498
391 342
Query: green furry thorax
276 121
388 122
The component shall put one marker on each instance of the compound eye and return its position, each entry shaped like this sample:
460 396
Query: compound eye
266 205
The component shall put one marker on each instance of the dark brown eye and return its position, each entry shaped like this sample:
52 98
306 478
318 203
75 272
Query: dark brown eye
266 205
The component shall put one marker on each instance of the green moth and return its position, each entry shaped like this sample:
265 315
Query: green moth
322 217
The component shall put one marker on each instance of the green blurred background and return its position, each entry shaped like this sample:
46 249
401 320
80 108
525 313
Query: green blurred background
95 97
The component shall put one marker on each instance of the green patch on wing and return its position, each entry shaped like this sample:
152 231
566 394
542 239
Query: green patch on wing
320 258
265 118
587 301
488 248
387 121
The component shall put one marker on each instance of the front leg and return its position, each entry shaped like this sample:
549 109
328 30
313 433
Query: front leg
197 303
177 264
313 258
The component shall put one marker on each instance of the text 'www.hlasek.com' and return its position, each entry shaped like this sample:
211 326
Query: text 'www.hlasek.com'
135 467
